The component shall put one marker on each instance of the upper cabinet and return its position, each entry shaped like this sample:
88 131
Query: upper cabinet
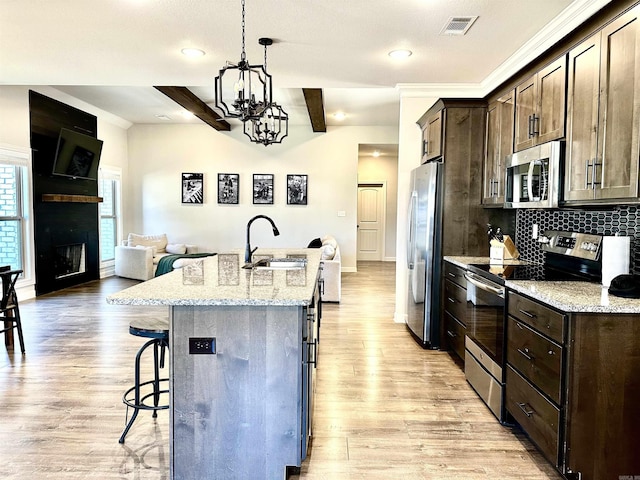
540 106
498 145
432 137
603 116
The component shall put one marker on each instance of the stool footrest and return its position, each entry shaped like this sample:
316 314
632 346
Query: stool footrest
131 402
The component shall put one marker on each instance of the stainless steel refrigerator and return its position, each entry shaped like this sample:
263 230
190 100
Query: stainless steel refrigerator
424 253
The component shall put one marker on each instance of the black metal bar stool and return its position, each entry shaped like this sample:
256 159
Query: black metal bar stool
140 395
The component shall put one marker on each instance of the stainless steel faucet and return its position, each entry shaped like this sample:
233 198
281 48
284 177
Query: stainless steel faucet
248 252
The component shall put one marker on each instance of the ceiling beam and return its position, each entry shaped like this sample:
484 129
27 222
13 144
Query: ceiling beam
187 100
315 106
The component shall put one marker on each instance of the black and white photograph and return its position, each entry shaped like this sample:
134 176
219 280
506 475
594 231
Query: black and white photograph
296 189
228 188
263 189
192 188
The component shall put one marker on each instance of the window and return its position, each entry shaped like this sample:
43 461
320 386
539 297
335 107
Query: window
109 188
13 175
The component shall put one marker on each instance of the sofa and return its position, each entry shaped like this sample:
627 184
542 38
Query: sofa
331 268
138 256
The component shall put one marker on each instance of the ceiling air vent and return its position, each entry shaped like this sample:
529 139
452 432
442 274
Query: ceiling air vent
458 25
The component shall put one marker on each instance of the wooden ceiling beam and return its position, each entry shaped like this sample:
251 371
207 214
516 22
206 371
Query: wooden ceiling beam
189 101
315 107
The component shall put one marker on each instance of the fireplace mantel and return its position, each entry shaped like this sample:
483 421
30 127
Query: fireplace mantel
65 198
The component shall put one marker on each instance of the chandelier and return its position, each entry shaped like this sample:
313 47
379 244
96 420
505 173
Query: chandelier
251 87
273 126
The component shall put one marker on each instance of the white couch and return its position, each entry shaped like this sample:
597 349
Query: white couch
138 256
331 269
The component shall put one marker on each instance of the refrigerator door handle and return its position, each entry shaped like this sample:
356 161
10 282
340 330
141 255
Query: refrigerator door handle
411 231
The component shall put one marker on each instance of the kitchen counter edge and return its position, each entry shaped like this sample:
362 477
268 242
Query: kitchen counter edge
568 296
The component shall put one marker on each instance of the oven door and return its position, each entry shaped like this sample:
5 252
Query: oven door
486 325
484 341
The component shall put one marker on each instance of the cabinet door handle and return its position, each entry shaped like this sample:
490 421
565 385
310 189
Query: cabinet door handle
536 125
530 129
586 174
525 354
451 334
594 174
528 314
452 300
452 275
523 407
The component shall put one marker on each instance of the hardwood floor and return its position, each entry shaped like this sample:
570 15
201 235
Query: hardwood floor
385 408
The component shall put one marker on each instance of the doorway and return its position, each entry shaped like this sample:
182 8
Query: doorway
372 200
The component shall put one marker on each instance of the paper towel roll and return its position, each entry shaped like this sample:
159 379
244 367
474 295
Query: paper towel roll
615 258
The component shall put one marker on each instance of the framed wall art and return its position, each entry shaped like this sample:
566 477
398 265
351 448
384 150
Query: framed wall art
228 188
263 189
192 188
296 189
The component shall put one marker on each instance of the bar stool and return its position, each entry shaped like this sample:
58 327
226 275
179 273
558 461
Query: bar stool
9 311
138 397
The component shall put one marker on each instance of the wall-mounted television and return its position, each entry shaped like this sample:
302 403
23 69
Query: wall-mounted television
77 155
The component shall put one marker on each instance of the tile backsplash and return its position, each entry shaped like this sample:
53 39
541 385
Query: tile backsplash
623 219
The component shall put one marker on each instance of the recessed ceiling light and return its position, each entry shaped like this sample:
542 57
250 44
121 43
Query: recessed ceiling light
192 52
339 115
162 116
400 53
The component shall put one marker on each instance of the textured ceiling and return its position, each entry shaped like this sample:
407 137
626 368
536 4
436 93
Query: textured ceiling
110 53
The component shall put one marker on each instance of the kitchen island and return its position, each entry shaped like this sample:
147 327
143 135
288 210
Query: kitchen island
243 346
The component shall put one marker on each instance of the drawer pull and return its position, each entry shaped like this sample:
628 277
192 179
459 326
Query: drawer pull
525 354
528 413
451 334
452 275
524 312
452 300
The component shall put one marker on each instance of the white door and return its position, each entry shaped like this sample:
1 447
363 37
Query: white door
371 219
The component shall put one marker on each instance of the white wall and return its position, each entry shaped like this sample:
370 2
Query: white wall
158 154
409 155
384 169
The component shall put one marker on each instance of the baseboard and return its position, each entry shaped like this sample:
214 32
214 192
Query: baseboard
389 259
349 270
400 317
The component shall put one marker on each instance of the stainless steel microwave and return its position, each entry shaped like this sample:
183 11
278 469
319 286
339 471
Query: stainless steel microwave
534 176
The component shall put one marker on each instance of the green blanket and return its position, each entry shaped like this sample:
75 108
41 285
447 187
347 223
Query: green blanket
165 264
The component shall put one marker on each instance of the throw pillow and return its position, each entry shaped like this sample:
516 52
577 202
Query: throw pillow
315 243
176 248
328 252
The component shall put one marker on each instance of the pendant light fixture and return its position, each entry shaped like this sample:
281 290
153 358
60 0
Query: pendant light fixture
273 126
251 87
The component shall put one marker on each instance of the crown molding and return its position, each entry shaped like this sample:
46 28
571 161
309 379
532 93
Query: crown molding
567 21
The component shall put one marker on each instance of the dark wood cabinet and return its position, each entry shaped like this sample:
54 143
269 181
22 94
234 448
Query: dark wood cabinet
573 385
454 308
432 136
603 114
498 145
540 106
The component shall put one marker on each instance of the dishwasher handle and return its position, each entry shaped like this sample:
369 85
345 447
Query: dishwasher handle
484 286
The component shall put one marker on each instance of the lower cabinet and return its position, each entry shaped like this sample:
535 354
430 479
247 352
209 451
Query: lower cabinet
454 307
573 385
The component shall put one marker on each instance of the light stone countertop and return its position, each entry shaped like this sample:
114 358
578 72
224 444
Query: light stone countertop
568 296
221 280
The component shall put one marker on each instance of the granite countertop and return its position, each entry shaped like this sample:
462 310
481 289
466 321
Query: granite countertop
221 280
568 296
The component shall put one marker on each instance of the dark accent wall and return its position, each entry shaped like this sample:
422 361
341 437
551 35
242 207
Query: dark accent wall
60 223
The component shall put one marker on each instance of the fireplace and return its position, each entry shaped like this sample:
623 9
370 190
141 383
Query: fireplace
69 260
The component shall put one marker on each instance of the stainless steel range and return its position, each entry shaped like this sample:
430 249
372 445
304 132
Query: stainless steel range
568 256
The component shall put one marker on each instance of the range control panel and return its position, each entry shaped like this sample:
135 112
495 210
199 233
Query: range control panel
581 245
